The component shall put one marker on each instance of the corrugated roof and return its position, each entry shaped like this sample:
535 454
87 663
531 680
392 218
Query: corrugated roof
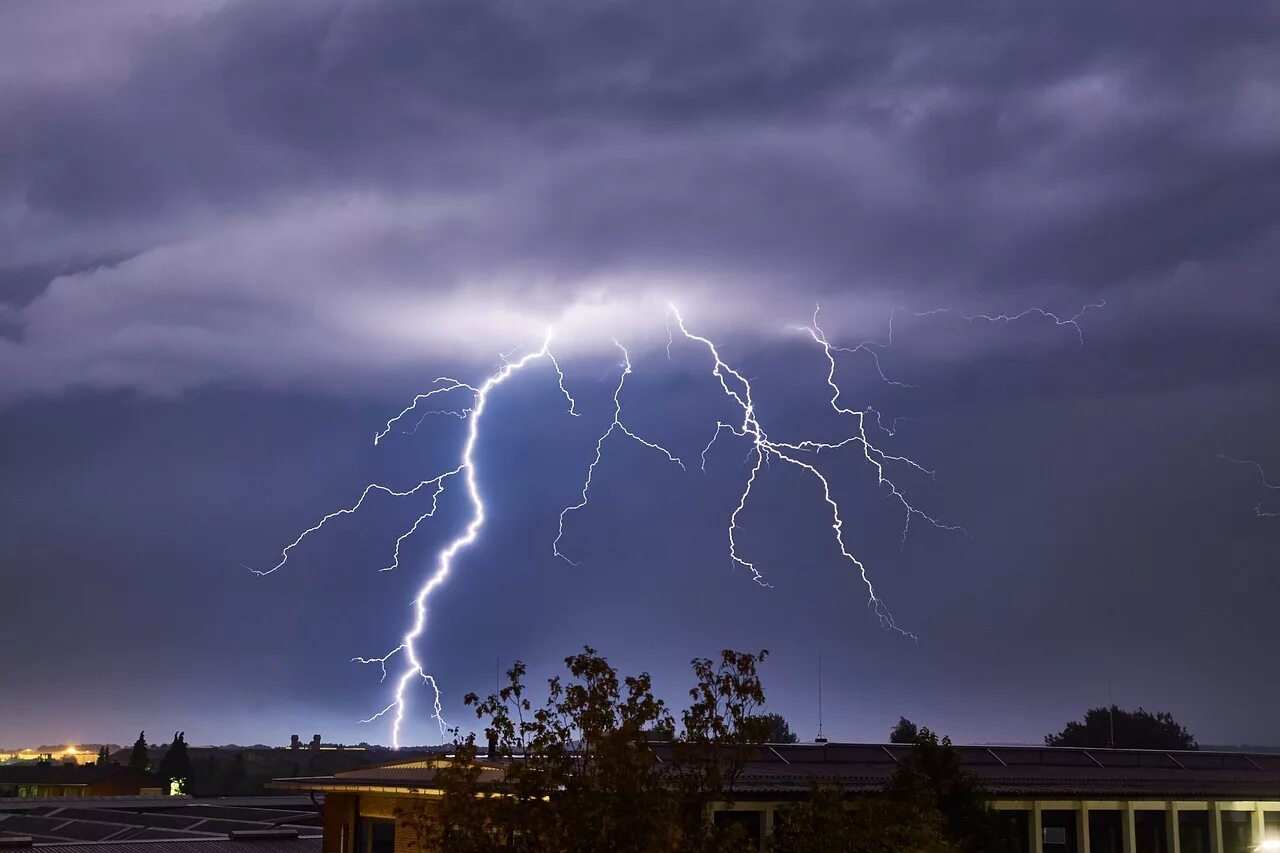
214 845
1007 771
185 820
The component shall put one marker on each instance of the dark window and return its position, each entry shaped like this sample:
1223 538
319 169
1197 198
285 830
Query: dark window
1016 825
749 821
1106 831
376 836
1149 831
1193 831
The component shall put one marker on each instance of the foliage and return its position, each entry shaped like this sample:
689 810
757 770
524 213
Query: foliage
175 766
775 728
138 759
828 822
931 805
904 732
575 774
930 778
104 757
1138 729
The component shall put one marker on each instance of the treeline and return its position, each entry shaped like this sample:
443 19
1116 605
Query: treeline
583 777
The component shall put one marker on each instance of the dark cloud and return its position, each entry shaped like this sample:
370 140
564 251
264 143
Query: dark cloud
235 205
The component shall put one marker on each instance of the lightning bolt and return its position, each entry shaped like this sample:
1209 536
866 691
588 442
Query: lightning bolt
615 426
803 455
1072 321
737 387
1266 484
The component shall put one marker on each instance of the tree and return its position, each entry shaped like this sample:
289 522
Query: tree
138 759
929 779
829 822
588 779
775 727
1138 729
176 763
904 732
104 757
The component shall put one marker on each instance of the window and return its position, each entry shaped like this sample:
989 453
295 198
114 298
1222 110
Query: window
376 836
1237 832
749 820
1055 835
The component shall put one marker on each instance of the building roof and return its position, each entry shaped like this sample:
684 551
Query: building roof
308 844
1008 772
75 774
1022 771
68 821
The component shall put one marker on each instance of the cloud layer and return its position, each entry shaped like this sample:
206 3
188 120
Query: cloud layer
334 189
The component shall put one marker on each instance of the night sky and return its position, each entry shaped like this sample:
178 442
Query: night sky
237 237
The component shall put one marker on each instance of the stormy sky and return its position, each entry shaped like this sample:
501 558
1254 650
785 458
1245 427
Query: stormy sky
236 237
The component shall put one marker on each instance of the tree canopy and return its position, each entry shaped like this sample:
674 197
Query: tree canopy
931 805
775 728
138 759
176 763
588 780
1140 729
577 774
904 732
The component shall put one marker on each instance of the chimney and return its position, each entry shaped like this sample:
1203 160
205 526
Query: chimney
295 742
315 743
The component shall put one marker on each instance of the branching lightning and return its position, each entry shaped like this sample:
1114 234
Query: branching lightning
616 425
1260 509
802 454
737 388
1072 321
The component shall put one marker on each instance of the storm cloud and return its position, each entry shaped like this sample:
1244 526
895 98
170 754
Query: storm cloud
235 236
238 190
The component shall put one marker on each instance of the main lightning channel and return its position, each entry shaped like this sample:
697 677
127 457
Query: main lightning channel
444 561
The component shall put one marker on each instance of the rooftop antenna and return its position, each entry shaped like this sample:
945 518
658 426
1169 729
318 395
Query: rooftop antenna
1111 715
820 738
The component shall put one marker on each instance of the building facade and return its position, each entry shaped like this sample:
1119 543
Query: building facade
1060 800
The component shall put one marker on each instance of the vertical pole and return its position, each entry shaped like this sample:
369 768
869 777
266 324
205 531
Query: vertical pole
1036 824
1082 828
1215 828
1173 841
1259 826
1128 828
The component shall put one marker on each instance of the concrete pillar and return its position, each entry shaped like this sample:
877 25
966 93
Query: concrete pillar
1215 828
1036 825
1259 826
1128 830
1082 828
1174 841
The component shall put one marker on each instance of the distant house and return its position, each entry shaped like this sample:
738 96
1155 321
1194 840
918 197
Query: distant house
1064 800
72 780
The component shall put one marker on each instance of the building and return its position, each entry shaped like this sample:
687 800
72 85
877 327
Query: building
68 754
77 780
160 825
1062 800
